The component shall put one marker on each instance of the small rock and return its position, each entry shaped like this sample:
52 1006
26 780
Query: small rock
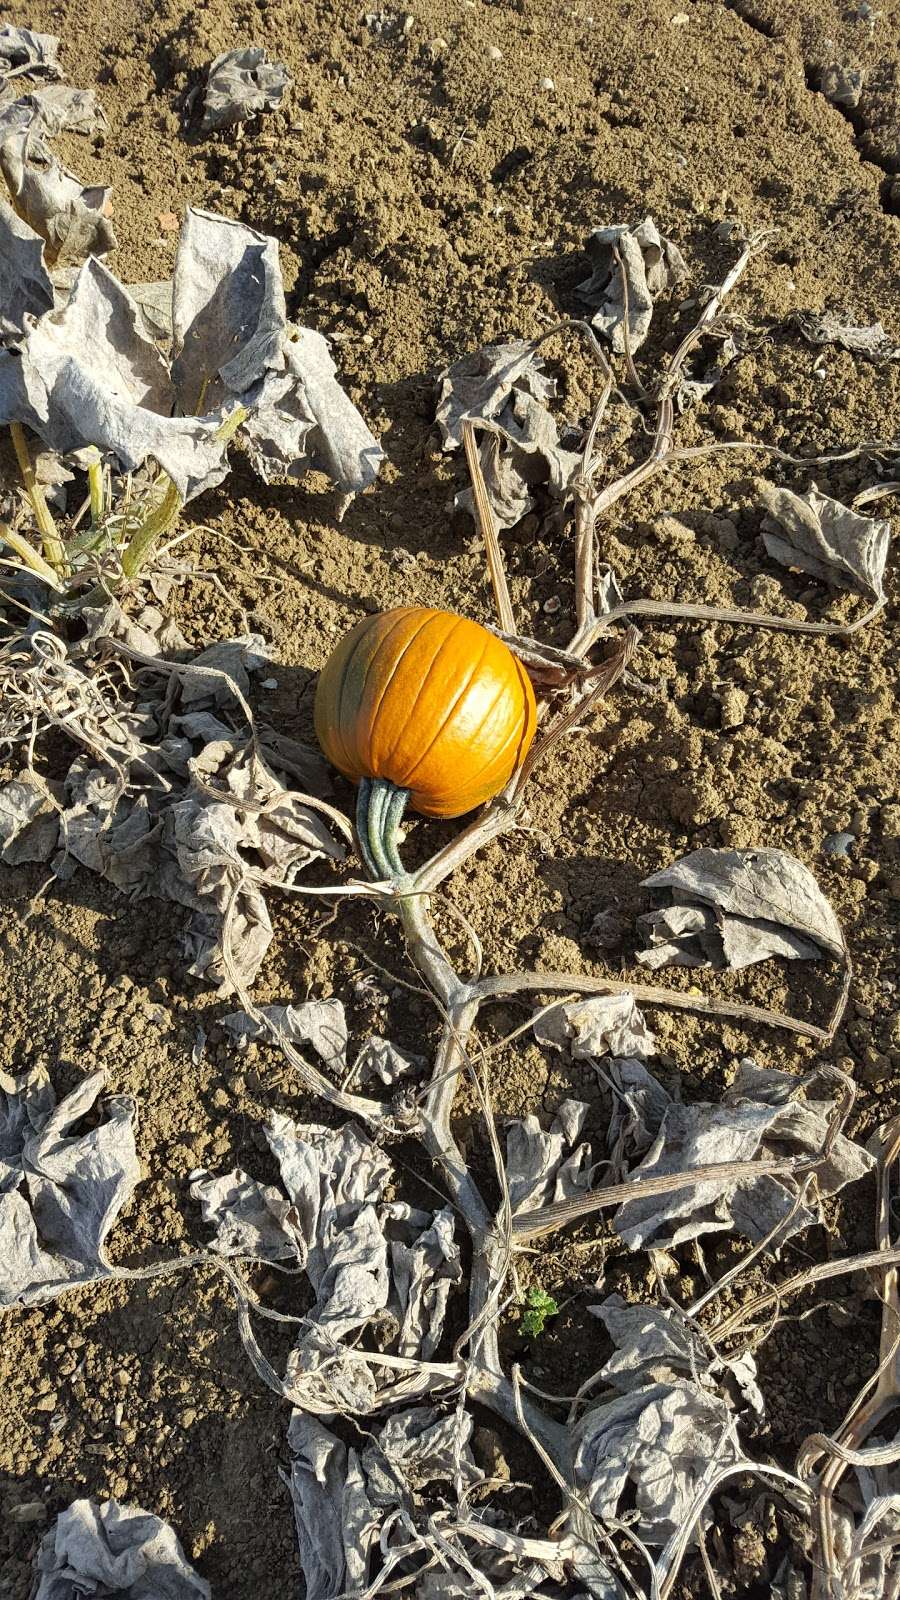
547 85
409 23
188 1418
28 1511
838 844
46 1402
269 683
733 708
493 54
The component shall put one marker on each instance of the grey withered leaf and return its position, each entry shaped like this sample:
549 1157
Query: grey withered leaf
25 287
822 536
760 1114
89 375
239 85
110 1549
233 343
24 51
478 386
650 263
735 907
63 1182
826 327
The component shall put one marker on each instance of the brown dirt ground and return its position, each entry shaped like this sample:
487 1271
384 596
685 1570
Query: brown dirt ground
428 198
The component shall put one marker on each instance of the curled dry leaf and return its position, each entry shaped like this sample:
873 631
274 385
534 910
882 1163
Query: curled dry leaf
353 1505
507 387
29 822
735 907
666 1432
826 327
813 533
478 386
323 1025
650 263
240 84
373 1265
71 218
169 801
61 1189
25 287
234 345
639 1104
89 375
319 1023
758 1116
24 51
542 1167
599 1026
110 1549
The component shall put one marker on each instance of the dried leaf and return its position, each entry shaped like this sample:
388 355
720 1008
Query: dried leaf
320 1023
415 1449
228 310
756 1117
651 263
816 534
735 907
522 450
602 1025
336 1524
424 1274
668 1429
478 386
111 1549
700 376
169 814
303 421
72 219
88 375
60 1190
241 84
25 287
656 1344
639 1104
233 343
29 823
826 327
250 1218
381 1059
542 1167
57 108
23 51
154 301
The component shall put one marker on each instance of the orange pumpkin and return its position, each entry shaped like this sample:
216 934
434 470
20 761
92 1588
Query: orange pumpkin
430 702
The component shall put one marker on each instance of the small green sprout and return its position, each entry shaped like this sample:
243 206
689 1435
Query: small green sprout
540 1305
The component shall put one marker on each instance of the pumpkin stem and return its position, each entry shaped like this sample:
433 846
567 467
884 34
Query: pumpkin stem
379 810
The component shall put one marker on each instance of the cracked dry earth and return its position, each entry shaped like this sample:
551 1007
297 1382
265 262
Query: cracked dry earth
430 195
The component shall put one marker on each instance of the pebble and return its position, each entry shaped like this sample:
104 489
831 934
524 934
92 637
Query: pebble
269 683
493 54
46 1402
188 1418
733 708
28 1511
547 85
838 844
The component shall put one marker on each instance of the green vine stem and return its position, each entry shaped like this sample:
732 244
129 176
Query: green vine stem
379 811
